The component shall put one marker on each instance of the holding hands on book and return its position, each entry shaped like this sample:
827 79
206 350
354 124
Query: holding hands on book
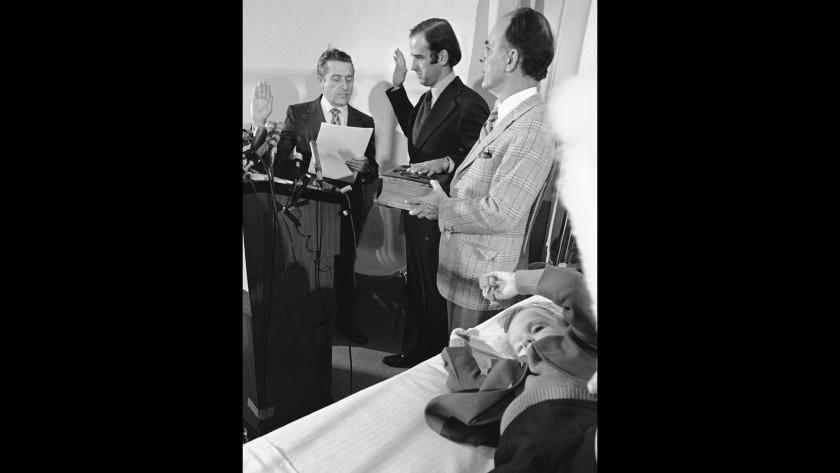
427 206
433 166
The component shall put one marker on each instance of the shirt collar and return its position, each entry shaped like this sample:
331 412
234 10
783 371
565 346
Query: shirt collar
326 107
441 85
513 101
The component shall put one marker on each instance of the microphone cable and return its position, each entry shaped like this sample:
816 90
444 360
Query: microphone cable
353 271
270 174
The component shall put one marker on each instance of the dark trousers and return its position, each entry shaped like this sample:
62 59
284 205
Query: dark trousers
461 317
426 331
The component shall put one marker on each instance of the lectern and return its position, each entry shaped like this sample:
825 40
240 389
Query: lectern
290 249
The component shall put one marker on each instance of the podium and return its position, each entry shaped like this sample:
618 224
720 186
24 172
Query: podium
287 340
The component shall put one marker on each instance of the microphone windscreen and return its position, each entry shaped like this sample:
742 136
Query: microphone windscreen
314 146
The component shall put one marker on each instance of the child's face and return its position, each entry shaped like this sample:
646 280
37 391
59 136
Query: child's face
531 325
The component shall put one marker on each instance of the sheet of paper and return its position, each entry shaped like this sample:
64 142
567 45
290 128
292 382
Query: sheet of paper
337 144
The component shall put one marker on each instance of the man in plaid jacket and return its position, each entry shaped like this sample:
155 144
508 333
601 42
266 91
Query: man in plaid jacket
483 219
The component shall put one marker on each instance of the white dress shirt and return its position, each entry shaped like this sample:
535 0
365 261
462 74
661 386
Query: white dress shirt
441 84
513 101
326 107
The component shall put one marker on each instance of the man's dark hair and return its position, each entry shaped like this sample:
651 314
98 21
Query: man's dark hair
440 36
530 34
331 54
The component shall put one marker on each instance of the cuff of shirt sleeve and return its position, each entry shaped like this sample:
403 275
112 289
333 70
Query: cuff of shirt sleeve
443 210
527 280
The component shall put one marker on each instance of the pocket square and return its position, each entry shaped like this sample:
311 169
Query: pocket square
486 253
485 155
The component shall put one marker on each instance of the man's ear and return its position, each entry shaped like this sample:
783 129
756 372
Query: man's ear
513 59
443 57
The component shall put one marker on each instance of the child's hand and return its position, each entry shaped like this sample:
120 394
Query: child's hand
592 385
498 285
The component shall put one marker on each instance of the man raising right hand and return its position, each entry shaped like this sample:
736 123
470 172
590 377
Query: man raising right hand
441 128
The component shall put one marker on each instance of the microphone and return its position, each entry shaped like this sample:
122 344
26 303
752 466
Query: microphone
273 138
297 171
273 133
259 137
340 190
254 153
270 143
264 139
319 176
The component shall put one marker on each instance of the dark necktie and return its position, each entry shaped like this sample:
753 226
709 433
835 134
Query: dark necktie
335 113
422 114
491 120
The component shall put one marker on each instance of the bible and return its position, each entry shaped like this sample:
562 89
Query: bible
398 185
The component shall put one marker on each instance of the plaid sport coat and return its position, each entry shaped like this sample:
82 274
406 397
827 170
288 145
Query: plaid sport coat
491 195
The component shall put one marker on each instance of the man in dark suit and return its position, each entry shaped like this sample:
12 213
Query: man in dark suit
303 122
441 129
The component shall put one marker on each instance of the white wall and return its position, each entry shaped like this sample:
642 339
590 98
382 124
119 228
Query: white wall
589 50
569 21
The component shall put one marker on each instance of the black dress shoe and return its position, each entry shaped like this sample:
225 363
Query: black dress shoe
353 333
401 361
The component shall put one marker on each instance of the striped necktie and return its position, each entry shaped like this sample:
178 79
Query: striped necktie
335 113
491 120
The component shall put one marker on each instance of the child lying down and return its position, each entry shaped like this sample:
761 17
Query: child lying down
535 408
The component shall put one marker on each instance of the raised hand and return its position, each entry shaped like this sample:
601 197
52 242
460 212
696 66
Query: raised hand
261 103
400 69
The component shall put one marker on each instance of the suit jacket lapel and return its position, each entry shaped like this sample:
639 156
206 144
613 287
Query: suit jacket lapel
444 105
500 127
353 116
314 116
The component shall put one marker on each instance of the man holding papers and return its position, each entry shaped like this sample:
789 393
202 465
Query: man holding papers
303 123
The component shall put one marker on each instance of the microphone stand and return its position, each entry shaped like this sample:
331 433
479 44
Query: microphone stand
319 176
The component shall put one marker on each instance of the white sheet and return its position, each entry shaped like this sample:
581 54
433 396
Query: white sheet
379 429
